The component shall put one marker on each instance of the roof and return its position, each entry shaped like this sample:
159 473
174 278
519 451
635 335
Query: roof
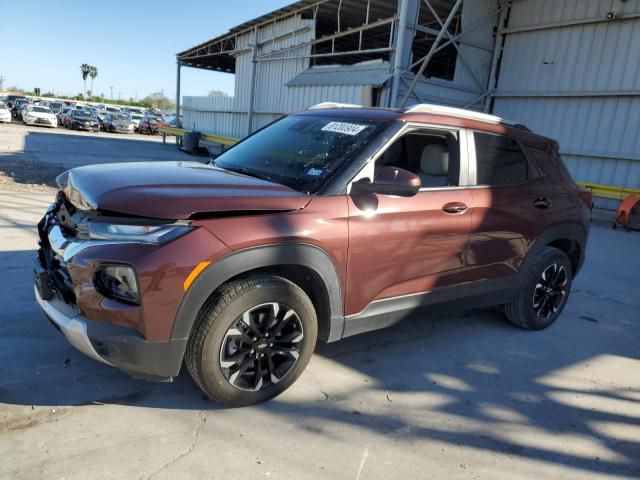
463 117
373 73
352 14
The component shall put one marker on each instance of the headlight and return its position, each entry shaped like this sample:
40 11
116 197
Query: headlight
119 282
154 234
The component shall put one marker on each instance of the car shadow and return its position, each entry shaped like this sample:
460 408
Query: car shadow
469 379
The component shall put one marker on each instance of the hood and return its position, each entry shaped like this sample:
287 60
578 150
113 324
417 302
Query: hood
173 190
40 114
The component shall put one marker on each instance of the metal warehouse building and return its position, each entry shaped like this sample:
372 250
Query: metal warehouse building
569 69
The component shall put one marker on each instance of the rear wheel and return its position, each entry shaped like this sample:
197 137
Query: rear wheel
252 340
544 292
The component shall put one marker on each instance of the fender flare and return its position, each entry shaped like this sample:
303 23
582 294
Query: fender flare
243 261
571 231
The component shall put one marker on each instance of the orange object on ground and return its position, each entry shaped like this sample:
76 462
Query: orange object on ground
628 213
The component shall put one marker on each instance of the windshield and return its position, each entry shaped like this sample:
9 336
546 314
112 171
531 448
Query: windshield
3 106
83 113
300 151
136 117
119 118
112 109
41 110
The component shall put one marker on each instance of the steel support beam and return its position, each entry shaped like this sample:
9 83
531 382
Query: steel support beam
571 23
463 60
432 50
178 121
495 58
566 94
402 50
252 91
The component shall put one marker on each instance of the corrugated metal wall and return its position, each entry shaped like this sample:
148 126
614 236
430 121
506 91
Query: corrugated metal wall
578 83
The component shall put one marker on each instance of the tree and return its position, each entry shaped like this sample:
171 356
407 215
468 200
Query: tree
85 68
218 93
93 73
158 100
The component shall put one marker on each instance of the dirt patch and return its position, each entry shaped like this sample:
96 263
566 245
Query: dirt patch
13 421
29 176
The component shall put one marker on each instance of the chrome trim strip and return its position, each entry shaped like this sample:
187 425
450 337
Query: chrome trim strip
73 328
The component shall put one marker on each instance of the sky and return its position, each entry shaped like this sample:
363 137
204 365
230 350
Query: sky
132 43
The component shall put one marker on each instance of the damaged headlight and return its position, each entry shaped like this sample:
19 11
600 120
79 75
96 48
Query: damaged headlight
154 234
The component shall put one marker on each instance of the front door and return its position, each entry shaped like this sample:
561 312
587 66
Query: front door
402 246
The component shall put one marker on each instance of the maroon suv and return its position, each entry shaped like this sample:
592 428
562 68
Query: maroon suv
325 224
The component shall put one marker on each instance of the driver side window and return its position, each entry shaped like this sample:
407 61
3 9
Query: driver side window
432 155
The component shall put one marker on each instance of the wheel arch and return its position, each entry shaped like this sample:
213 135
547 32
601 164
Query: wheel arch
308 266
571 238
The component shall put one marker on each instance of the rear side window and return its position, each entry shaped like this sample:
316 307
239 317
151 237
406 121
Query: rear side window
499 161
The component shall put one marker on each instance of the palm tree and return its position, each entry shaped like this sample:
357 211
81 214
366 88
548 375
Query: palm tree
93 73
85 68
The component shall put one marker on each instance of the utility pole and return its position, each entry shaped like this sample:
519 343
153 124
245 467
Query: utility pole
1 82
111 92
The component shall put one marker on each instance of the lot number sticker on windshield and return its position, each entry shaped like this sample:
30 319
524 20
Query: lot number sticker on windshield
342 127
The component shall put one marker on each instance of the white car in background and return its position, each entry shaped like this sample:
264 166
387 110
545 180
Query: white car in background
135 119
37 115
5 113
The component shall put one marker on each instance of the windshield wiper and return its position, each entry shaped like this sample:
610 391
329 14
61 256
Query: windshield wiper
245 171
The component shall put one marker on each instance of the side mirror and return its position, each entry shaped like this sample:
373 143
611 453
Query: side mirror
390 181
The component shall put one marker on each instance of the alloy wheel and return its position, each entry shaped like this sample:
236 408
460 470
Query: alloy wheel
551 291
261 347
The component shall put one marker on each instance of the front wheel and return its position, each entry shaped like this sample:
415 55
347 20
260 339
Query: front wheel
252 340
544 292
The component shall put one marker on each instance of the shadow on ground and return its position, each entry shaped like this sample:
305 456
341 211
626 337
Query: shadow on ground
470 380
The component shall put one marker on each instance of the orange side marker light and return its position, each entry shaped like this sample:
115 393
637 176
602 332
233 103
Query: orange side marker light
194 274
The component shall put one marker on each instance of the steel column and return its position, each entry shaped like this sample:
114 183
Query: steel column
252 94
401 46
497 53
178 121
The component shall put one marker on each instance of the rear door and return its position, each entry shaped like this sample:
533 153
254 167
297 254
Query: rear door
507 210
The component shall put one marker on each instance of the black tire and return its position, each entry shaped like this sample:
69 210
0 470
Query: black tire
222 314
529 309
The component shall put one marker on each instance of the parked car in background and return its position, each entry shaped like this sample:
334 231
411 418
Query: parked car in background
325 224
11 99
62 114
117 123
39 115
112 109
150 123
83 120
5 113
55 106
136 118
133 110
22 109
18 104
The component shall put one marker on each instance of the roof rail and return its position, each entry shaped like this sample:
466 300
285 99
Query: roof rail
322 105
459 112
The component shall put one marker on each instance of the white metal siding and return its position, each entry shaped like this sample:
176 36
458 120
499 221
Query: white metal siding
579 84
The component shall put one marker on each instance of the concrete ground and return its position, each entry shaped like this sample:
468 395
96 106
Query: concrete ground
71 148
465 396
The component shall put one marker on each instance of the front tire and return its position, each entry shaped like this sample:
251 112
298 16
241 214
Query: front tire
252 340
544 293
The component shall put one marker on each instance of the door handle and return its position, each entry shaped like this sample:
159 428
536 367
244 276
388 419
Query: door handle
454 208
541 202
